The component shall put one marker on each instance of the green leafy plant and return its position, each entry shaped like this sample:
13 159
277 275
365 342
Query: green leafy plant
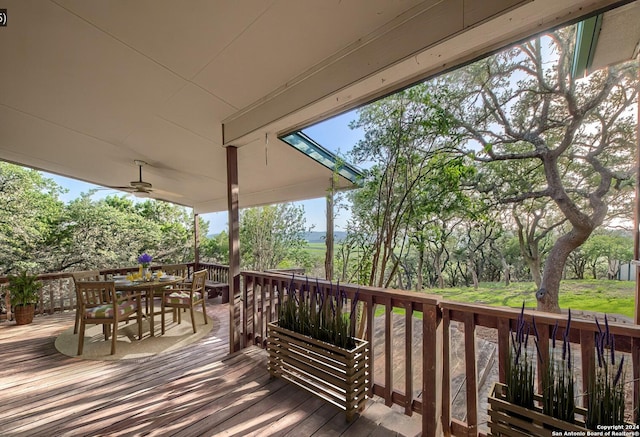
606 388
24 288
319 315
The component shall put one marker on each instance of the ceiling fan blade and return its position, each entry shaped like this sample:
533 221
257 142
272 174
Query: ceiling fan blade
127 189
167 193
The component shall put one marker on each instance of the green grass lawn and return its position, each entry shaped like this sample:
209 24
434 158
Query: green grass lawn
316 248
612 297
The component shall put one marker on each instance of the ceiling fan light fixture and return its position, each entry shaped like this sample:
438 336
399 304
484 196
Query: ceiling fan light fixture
141 185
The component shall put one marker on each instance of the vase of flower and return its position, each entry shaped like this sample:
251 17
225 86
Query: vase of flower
145 261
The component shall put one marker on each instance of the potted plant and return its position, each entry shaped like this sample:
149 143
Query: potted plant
23 290
515 406
314 347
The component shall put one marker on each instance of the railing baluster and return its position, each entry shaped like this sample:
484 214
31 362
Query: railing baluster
635 364
431 371
263 318
471 372
503 348
408 358
587 349
446 371
543 359
369 313
388 353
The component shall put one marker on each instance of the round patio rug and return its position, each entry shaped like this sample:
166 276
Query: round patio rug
128 346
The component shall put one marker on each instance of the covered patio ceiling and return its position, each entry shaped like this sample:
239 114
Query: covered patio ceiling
90 86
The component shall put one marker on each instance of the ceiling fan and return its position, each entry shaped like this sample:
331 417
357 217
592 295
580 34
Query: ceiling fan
141 188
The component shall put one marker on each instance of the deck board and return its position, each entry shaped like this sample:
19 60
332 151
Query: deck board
197 390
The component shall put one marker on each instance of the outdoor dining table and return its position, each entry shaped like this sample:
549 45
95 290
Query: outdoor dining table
148 288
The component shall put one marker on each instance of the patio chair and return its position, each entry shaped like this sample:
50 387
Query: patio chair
97 302
87 275
173 270
186 298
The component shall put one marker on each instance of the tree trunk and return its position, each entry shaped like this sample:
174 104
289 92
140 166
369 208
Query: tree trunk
548 291
328 257
439 271
506 269
419 285
474 274
614 268
534 268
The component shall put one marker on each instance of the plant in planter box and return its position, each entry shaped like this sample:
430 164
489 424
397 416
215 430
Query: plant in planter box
558 412
313 346
23 291
606 388
558 395
518 407
519 367
319 316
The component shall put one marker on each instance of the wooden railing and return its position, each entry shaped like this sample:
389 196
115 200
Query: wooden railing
215 272
413 340
58 292
391 379
418 329
501 320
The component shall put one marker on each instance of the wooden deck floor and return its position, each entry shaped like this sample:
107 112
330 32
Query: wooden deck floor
198 390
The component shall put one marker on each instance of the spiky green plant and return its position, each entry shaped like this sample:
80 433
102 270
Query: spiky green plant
558 393
519 369
319 315
606 387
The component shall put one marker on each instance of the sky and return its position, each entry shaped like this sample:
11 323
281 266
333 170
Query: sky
333 134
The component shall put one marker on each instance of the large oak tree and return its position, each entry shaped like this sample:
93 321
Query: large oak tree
522 109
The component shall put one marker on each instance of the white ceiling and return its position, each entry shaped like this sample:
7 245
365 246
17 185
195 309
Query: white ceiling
89 86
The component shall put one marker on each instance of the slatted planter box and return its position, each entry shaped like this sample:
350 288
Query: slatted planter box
507 419
337 375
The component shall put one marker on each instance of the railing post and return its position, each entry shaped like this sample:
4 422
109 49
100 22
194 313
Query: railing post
446 372
234 246
431 370
471 373
196 241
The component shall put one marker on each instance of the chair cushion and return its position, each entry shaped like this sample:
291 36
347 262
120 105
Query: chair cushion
106 311
181 298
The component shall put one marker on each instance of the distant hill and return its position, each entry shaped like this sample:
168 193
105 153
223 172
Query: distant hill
313 237
318 237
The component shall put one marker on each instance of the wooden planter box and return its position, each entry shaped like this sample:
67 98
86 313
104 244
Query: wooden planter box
337 375
506 419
